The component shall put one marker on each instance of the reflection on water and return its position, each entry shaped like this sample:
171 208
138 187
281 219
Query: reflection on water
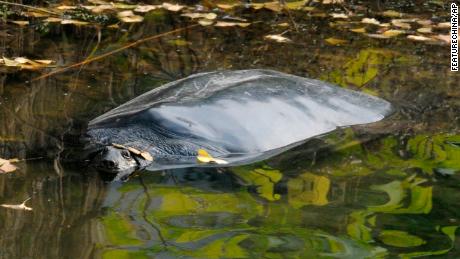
385 190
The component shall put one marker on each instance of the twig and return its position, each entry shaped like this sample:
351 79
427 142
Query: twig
29 7
86 61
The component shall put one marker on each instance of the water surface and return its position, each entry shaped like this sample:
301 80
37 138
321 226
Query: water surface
385 190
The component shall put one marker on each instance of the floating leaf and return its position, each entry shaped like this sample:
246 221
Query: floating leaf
419 38
21 206
205 22
297 5
231 24
6 166
25 63
132 19
226 6
401 24
207 16
393 33
273 6
146 8
370 21
66 7
377 36
339 16
129 17
21 23
392 13
53 19
443 25
359 30
10 63
277 38
335 41
172 7
443 37
424 22
75 22
425 30
100 8
332 1
205 157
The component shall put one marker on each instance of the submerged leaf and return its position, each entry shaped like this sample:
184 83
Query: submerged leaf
204 157
399 238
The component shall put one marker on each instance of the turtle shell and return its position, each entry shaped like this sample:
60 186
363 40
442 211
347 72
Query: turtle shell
243 111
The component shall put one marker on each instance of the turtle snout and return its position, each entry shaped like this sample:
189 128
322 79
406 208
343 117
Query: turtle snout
109 164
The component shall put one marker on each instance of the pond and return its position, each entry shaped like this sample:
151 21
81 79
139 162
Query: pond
385 190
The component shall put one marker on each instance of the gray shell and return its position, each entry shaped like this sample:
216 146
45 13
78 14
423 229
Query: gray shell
245 115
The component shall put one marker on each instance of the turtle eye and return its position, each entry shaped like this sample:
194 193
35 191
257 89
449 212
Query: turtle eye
125 154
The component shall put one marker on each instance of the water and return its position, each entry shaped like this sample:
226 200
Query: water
385 190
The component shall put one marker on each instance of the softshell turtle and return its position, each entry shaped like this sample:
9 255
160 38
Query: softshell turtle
238 117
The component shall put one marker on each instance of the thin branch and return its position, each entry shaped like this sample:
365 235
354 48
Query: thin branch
86 61
30 7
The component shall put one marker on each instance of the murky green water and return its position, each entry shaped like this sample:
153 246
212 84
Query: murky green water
387 190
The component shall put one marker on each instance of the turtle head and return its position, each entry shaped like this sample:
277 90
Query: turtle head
115 160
